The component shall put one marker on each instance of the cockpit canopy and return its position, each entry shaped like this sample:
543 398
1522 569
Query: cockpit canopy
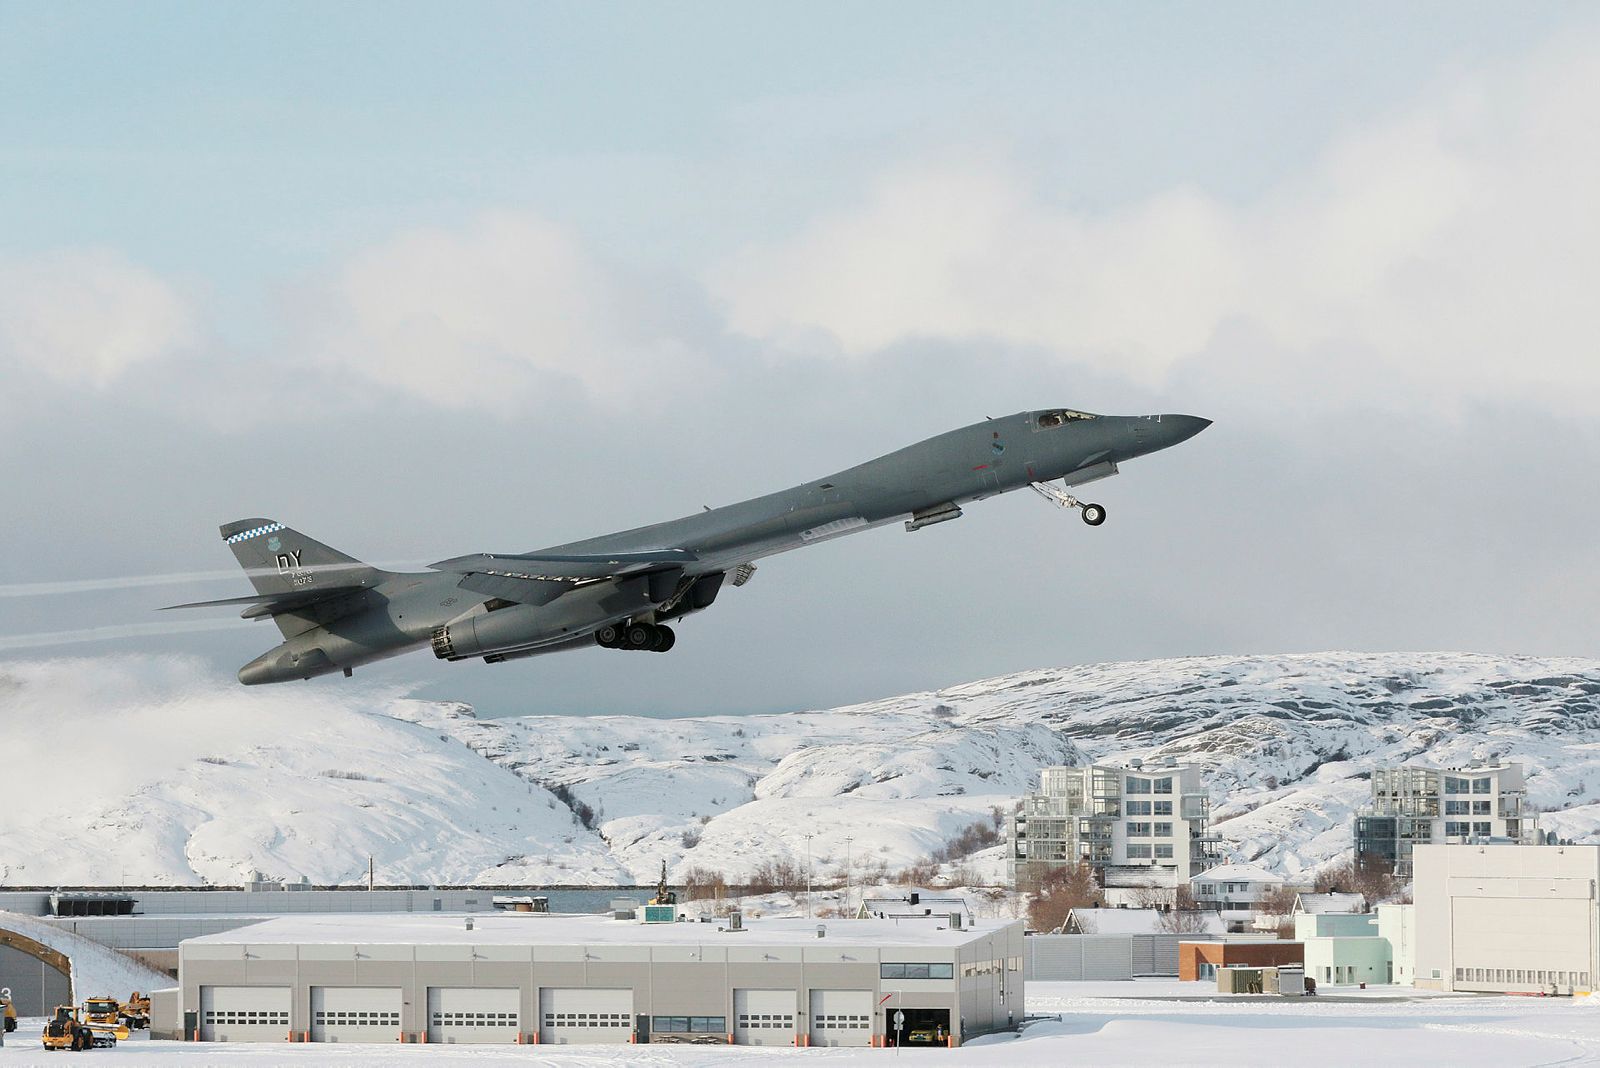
1060 417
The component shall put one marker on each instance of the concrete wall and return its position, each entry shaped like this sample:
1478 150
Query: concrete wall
1335 924
1070 958
1397 925
1506 917
36 987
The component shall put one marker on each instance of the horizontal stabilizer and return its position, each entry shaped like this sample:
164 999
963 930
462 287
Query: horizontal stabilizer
566 567
270 604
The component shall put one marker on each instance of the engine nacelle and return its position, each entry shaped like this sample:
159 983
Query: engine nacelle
518 626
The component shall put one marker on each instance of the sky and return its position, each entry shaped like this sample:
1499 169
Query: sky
427 280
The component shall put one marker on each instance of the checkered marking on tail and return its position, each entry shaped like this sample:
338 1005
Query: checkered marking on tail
255 532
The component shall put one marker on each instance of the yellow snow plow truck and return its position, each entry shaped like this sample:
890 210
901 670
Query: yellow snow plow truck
69 1029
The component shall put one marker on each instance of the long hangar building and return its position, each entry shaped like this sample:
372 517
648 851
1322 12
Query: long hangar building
527 977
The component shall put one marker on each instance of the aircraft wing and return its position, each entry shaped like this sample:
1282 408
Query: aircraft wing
540 578
565 567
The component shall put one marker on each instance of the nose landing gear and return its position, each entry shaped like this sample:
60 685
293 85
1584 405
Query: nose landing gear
638 637
1093 514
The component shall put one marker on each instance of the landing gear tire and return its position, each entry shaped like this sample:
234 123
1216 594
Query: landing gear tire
665 639
608 637
1094 514
638 636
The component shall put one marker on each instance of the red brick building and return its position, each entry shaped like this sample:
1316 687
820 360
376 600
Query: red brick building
1200 960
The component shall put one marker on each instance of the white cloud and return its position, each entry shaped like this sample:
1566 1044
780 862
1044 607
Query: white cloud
483 315
87 316
1455 246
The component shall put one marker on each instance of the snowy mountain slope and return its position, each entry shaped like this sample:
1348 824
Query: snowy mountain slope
170 776
1290 742
153 774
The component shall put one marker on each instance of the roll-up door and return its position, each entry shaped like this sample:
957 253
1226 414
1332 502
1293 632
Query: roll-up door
1144 954
575 1015
764 1017
244 1013
355 1014
474 1014
841 1017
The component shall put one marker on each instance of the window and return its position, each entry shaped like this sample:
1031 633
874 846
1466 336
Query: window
689 1025
1164 851
1138 808
1163 830
932 970
1461 975
1453 785
1138 830
1139 851
1164 786
1050 420
1457 808
1138 786
1481 786
1482 808
1163 808
1455 829
1482 829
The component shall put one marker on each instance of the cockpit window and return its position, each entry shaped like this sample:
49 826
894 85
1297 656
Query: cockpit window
1057 418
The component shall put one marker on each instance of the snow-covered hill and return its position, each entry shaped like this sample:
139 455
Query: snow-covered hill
175 778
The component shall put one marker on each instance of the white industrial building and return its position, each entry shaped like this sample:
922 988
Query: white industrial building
1416 805
527 977
1506 918
1136 825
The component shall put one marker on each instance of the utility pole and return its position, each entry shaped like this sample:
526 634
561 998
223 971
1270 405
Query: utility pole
847 880
809 913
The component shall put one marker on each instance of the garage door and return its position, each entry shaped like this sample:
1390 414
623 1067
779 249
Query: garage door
764 1017
469 1014
355 1014
581 1016
841 1017
244 1013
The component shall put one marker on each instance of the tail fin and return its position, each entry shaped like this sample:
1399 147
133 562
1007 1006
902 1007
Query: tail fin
280 560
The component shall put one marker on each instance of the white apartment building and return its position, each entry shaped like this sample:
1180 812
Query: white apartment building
1507 918
1233 887
1136 824
1415 805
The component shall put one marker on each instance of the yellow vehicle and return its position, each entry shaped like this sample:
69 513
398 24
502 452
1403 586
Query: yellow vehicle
102 1012
67 1029
136 1011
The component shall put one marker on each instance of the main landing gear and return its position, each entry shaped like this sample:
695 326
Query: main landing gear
639 637
1093 514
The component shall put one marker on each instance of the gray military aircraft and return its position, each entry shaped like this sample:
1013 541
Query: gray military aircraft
620 590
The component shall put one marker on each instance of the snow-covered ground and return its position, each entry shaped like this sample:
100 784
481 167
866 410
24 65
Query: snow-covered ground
1141 1025
189 778
96 970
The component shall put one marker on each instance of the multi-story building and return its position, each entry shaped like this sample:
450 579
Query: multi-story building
1414 806
1136 825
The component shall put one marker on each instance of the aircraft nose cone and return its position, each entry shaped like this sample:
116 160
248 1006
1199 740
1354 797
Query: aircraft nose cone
1178 428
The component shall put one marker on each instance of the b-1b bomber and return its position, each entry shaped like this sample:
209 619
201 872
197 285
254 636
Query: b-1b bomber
623 590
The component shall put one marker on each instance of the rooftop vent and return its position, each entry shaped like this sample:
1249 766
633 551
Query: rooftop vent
1136 763
735 920
469 923
822 930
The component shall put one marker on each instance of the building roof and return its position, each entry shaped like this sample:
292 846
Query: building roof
1238 873
1136 921
542 928
1329 902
